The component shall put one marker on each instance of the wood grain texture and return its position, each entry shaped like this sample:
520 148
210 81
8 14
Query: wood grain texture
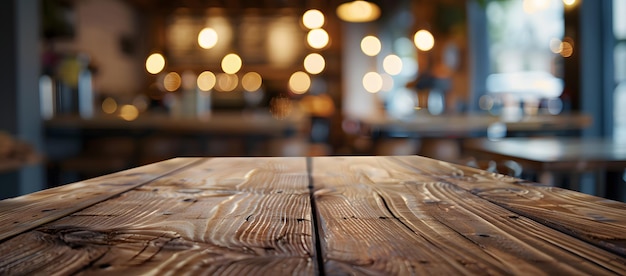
401 215
593 219
26 212
234 216
396 215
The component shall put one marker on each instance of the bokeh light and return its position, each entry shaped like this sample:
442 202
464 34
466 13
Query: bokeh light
155 63
370 45
392 65
424 40
172 81
299 82
567 49
317 38
207 38
109 105
231 64
313 19
569 2
556 45
358 11
226 82
372 82
129 112
314 63
251 81
206 81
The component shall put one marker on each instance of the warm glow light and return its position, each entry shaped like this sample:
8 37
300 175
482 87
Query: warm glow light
313 19
424 40
226 82
207 38
206 81
155 63
569 2
129 112
299 82
358 11
372 82
251 81
283 43
109 105
231 64
314 63
567 49
370 45
319 106
172 81
392 64
532 6
317 38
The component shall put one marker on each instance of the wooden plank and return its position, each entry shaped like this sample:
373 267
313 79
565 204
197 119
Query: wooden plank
235 216
389 215
23 213
593 219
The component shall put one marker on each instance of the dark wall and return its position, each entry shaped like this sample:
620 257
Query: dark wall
8 74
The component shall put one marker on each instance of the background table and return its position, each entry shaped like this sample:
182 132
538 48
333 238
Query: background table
322 215
476 125
560 154
78 148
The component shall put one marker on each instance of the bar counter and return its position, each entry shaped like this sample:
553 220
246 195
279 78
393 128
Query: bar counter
387 215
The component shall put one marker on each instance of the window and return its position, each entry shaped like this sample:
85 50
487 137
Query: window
526 50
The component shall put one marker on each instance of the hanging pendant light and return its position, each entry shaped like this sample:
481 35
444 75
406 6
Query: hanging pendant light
358 11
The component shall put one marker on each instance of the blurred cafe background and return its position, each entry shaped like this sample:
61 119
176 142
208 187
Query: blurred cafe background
91 87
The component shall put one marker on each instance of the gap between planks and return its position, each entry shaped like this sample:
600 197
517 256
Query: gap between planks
319 257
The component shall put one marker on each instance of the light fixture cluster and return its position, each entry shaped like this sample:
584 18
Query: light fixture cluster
314 63
392 64
227 81
358 11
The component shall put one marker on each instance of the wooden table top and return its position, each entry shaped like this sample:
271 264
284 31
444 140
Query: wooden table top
305 216
555 152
